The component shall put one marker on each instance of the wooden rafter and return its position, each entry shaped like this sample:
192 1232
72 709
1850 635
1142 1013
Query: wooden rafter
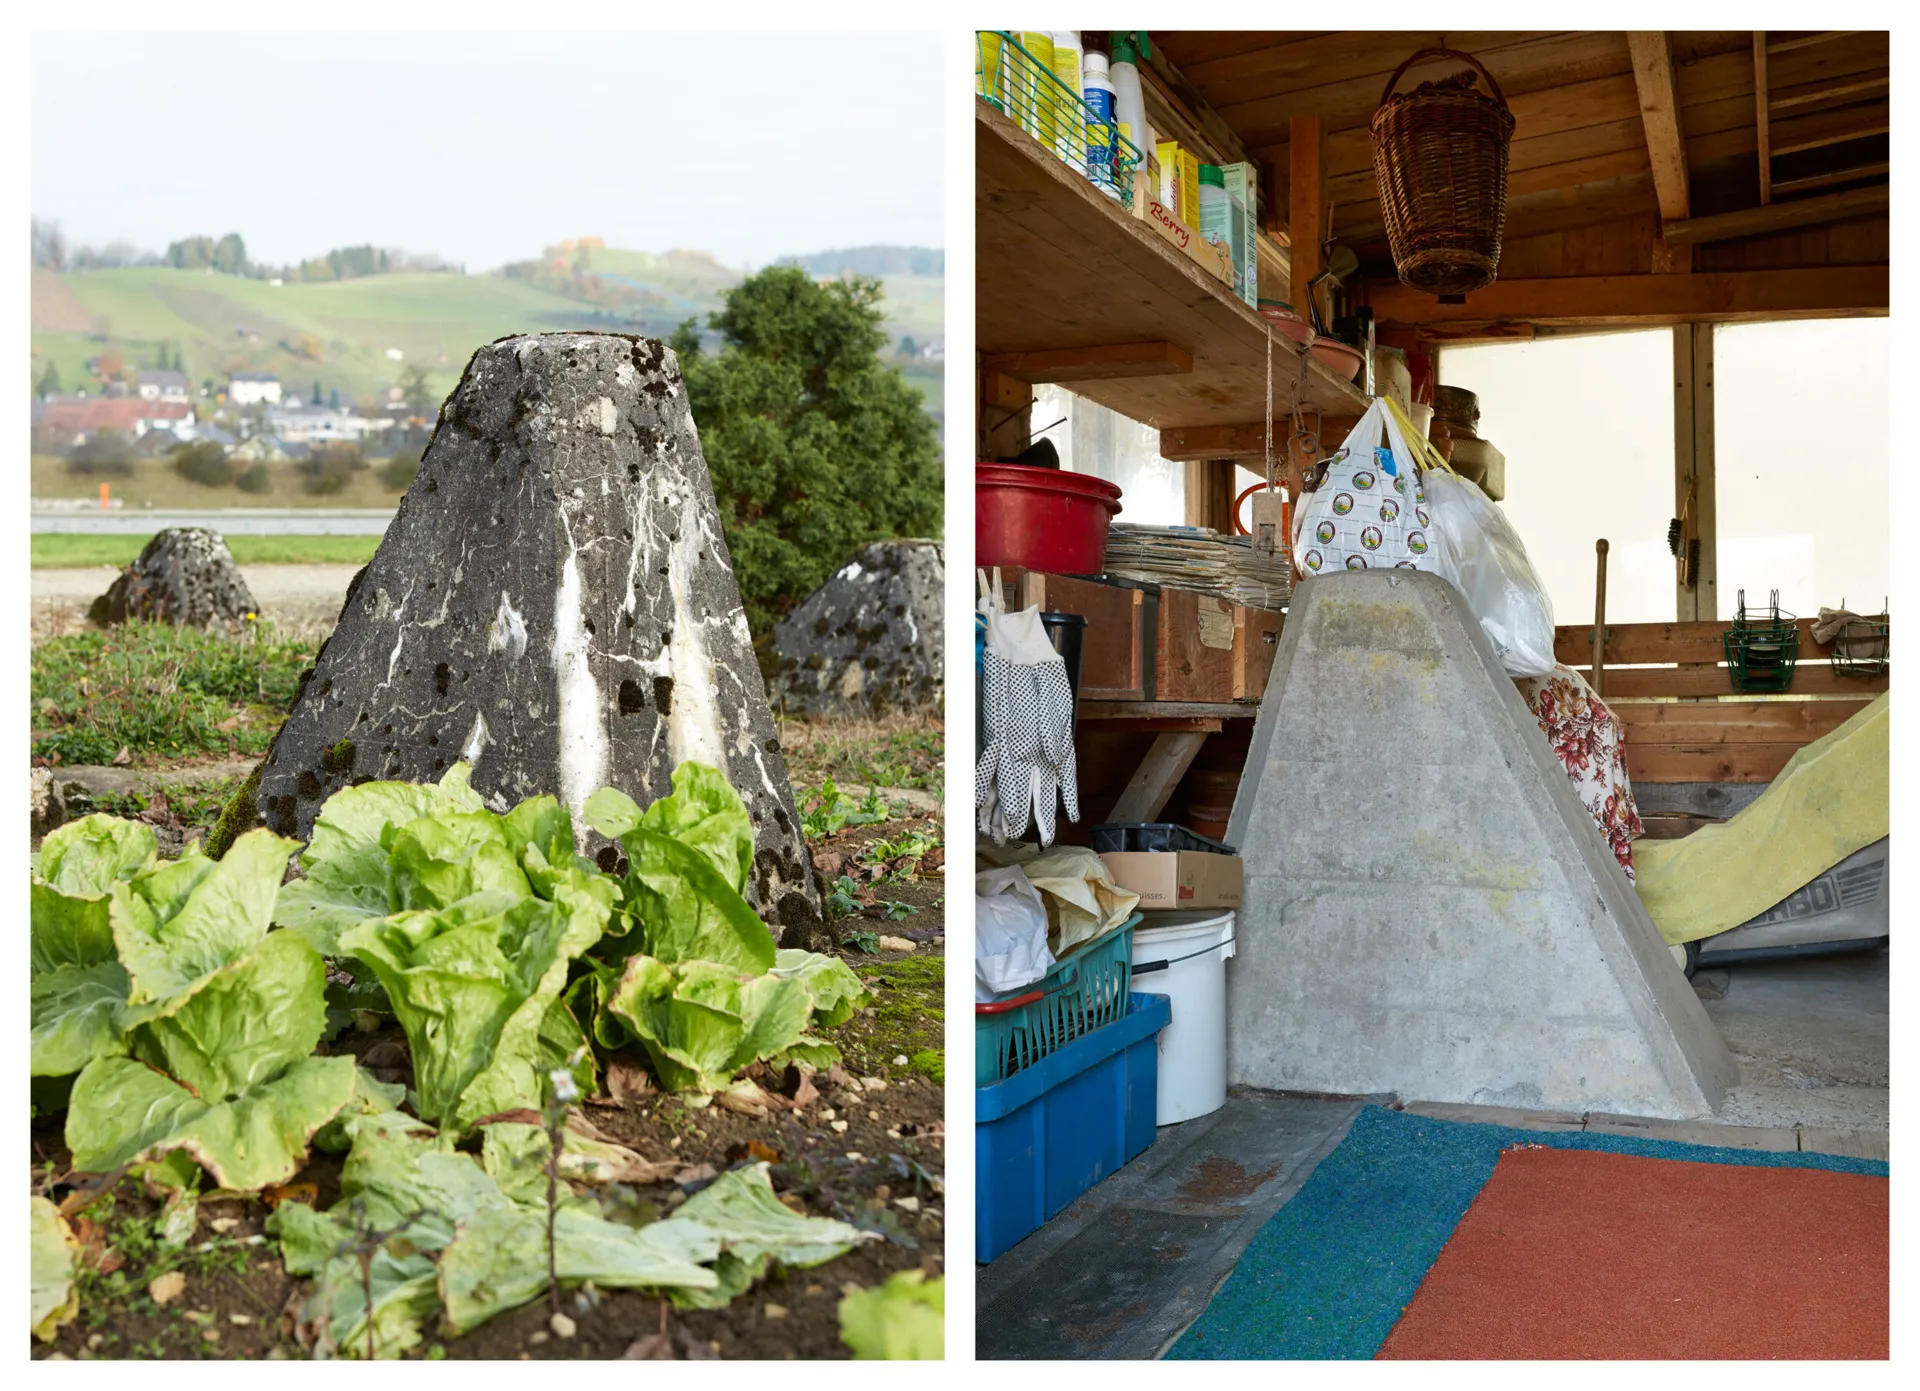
1778 217
1660 113
1760 113
1648 300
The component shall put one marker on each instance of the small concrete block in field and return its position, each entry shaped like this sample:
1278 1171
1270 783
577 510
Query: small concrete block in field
554 604
868 640
1745 1137
185 576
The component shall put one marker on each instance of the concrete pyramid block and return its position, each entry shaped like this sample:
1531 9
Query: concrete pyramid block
870 638
1428 908
553 603
185 576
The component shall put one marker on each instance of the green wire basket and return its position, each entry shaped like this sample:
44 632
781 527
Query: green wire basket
1010 79
1863 646
1762 646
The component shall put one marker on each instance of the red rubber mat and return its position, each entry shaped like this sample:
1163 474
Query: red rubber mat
1585 1254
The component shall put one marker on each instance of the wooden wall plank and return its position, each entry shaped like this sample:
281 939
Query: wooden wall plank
1708 763
1683 683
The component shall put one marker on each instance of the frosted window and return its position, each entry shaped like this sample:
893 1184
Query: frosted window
1800 457
1586 425
1093 439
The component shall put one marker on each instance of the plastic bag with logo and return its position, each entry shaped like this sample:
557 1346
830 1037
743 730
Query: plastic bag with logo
1368 504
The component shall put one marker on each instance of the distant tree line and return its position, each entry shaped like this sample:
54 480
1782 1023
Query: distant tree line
228 255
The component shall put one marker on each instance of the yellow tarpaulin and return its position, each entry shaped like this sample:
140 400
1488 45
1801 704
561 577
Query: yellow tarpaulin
1829 801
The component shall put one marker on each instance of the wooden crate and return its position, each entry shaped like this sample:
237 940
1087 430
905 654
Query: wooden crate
1116 652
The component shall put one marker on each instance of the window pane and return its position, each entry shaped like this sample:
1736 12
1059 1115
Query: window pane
1093 439
1586 425
1800 458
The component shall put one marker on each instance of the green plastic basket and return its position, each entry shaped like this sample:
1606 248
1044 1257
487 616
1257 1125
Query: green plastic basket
1086 989
1761 646
1014 82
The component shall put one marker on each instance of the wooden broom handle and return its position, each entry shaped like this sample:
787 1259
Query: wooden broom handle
1600 618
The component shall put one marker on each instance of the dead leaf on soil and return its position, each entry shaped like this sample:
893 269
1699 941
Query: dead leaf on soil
798 1086
124 758
837 1076
167 1288
628 1085
828 862
649 1347
306 1194
698 1173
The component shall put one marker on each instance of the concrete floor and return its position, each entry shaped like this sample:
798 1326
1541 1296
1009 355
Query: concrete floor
1810 1036
1123 1271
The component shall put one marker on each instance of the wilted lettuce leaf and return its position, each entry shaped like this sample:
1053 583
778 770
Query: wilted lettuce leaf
757 1228
76 1017
837 992
902 1320
700 1023
55 1300
346 861
176 925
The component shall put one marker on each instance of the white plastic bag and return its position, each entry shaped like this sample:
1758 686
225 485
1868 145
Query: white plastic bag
1481 553
1009 934
1369 511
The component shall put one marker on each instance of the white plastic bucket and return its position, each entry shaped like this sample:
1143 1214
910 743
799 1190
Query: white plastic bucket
1183 955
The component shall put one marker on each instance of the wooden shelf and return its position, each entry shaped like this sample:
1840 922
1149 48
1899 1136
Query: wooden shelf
1060 265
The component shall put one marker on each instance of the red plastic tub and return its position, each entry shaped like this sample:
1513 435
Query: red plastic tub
1042 518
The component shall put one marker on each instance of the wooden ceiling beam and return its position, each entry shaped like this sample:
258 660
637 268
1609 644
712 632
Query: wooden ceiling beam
1809 40
1647 300
1092 364
1761 111
1778 217
1660 113
1786 100
1832 177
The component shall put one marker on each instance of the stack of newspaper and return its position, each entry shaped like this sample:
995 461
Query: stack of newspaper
1202 560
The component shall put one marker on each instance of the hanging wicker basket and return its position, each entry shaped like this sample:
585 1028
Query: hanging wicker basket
1440 157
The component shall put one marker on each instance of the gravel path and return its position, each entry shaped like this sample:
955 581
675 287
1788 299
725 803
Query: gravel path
303 599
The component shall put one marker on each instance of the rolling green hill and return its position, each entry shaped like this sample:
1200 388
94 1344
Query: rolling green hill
338 332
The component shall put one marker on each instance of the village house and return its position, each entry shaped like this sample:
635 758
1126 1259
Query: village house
162 386
253 388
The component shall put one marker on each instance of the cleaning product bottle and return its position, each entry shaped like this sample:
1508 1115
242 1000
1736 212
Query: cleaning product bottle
1129 106
1213 205
990 67
1097 91
1034 107
1070 135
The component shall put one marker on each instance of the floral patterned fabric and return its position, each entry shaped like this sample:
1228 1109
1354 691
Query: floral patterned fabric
1589 739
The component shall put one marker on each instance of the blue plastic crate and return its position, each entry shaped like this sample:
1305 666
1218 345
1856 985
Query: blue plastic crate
1085 990
1050 1132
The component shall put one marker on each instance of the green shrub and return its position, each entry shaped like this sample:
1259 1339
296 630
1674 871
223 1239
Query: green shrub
258 478
329 467
203 462
399 472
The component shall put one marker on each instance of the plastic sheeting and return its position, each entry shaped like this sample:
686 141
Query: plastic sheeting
1082 900
1829 801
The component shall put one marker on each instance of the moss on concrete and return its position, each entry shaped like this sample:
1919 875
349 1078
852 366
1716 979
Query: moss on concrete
241 814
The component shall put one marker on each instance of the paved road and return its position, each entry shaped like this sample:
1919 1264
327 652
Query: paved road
230 521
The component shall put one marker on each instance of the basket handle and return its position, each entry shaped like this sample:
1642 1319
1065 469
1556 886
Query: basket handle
1400 71
1002 1006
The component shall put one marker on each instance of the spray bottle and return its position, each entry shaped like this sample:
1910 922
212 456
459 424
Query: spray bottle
1070 137
1129 106
1097 92
1033 104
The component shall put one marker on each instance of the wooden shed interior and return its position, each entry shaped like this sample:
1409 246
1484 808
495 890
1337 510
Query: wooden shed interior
1657 179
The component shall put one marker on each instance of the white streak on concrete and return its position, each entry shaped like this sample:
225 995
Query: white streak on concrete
508 631
399 638
606 415
694 723
477 740
583 731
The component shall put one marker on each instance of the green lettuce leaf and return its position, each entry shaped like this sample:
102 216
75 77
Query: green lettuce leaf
247 1023
79 865
177 925
471 985
700 1023
346 861
837 992
756 1228
76 1017
122 1111
704 813
902 1320
436 861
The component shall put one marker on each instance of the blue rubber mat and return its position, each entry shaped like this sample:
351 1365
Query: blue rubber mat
1332 1271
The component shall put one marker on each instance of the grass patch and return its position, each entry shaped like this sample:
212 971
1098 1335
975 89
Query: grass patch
161 693
73 550
899 752
193 805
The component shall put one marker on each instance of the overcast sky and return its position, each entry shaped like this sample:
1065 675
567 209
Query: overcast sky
486 147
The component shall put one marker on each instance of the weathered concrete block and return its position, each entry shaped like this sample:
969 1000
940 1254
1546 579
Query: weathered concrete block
1429 910
553 603
186 576
870 638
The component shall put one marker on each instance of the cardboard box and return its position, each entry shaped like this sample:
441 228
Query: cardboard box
1243 193
1178 878
1217 261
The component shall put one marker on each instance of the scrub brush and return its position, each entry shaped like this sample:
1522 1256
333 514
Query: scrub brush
1673 537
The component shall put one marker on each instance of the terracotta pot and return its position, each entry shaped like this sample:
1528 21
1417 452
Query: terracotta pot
1338 358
